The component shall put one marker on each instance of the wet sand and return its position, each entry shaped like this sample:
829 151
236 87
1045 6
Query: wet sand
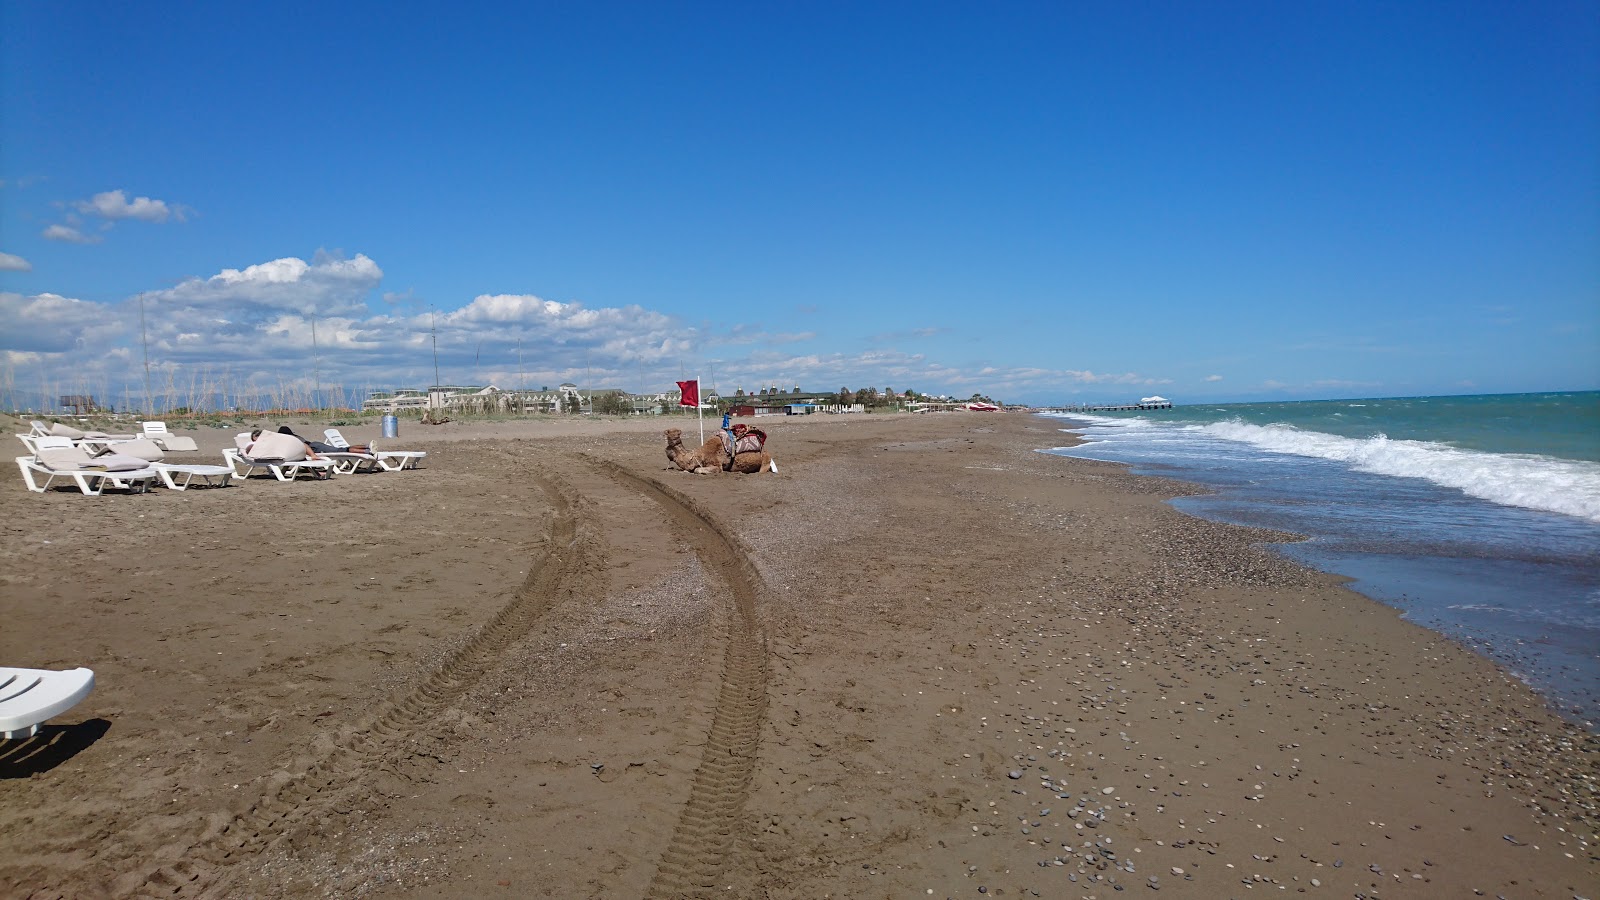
922 660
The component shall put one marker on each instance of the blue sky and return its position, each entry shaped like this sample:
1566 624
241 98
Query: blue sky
1041 202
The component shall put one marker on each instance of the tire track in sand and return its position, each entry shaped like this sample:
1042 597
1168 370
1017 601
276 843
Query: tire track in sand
296 798
709 823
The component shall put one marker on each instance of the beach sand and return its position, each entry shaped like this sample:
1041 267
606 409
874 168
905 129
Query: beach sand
921 660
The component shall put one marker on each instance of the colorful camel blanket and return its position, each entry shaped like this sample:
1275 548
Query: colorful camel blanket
742 439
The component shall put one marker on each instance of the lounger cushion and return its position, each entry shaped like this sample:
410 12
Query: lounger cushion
117 462
65 459
145 450
66 431
75 459
272 445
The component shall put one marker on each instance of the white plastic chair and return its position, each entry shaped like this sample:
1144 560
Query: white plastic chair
172 443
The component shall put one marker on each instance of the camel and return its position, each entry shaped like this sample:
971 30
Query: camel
712 457
750 451
753 461
705 461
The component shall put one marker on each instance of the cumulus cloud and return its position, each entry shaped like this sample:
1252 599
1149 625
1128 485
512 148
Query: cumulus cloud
274 323
51 323
1213 377
70 235
624 334
115 205
325 286
10 262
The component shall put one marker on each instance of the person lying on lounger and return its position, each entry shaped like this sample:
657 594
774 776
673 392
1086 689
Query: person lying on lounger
321 446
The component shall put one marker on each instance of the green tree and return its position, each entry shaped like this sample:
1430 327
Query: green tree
612 403
845 397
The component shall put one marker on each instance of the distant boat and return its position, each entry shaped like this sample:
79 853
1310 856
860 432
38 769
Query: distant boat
1155 400
976 406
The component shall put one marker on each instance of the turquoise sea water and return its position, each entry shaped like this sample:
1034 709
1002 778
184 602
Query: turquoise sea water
1563 425
1478 516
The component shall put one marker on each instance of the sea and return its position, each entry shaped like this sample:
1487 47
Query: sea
1475 516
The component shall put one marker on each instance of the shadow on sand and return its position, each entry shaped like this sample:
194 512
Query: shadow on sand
52 746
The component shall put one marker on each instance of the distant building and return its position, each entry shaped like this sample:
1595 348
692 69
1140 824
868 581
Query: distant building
80 404
489 398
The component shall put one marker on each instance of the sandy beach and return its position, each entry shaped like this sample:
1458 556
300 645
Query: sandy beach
922 660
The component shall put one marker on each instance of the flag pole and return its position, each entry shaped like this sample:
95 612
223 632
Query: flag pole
700 410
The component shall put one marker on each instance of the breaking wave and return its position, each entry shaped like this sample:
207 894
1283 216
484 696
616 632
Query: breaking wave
1571 487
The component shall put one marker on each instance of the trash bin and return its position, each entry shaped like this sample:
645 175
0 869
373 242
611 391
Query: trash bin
391 426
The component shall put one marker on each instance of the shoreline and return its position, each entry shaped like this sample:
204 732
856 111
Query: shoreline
933 623
1428 582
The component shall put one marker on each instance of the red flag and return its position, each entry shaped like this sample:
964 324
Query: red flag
691 393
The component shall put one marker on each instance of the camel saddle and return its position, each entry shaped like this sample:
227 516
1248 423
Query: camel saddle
745 440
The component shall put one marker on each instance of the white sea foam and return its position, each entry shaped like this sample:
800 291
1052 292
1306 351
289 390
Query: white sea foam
1534 482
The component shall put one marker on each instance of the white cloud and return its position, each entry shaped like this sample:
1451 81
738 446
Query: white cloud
51 323
326 286
116 205
251 329
1213 377
623 334
69 235
10 262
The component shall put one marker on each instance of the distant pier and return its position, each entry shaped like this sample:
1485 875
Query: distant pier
1097 407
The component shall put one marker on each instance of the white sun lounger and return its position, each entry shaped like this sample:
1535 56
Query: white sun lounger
30 696
388 460
166 440
348 462
281 468
57 458
78 436
345 460
170 475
